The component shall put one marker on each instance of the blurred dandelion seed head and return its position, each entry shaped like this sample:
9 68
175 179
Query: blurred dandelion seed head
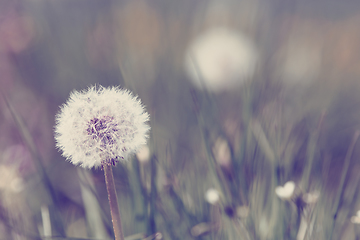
101 125
220 59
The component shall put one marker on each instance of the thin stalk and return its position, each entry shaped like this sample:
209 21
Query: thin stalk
214 173
224 190
140 203
311 151
113 202
151 218
239 161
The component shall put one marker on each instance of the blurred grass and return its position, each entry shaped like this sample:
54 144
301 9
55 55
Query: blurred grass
275 131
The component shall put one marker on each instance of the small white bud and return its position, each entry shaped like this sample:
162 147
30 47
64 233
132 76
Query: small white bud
212 196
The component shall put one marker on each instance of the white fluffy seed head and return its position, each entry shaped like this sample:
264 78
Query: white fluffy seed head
101 125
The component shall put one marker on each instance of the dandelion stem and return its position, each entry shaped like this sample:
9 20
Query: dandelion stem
114 207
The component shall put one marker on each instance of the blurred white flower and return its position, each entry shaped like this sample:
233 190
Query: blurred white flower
101 125
201 228
311 197
220 59
212 196
10 179
356 219
144 154
285 192
17 185
242 211
13 197
222 152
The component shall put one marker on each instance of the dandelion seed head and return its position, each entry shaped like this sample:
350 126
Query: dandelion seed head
101 125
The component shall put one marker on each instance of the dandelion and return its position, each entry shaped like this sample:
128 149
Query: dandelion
100 127
220 59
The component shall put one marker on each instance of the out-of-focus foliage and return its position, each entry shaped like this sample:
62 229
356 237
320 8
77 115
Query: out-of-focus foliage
273 156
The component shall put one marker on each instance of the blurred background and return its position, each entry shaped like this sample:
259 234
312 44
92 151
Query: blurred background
254 107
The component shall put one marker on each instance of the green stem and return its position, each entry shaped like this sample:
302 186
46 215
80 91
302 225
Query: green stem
114 207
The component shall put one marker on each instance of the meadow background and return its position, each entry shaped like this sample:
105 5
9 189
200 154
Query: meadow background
295 118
